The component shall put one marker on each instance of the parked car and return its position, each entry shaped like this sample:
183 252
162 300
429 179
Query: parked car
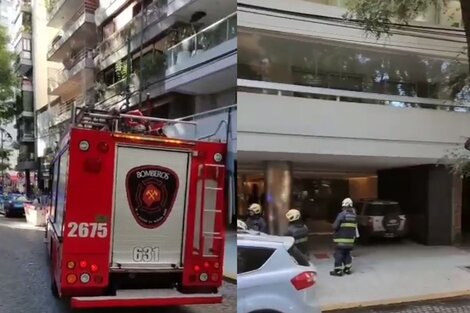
381 219
274 276
13 204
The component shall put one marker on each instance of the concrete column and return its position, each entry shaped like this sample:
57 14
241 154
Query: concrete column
278 189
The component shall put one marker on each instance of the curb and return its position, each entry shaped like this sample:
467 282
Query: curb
395 301
232 279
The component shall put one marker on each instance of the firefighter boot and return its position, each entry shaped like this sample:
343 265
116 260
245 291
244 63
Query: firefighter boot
337 272
347 270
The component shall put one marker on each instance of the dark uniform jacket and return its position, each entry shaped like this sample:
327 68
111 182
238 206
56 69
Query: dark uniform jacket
257 223
299 231
345 228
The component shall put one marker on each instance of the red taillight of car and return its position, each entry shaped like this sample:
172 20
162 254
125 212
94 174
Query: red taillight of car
304 280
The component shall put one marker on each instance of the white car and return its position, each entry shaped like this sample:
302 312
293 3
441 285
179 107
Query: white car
274 276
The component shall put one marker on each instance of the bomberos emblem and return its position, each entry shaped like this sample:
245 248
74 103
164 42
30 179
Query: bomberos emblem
151 193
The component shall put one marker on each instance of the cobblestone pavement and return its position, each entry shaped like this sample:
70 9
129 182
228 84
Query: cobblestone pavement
461 305
24 277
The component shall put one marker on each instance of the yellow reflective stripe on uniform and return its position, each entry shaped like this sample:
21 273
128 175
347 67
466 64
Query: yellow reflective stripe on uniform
349 225
343 240
301 240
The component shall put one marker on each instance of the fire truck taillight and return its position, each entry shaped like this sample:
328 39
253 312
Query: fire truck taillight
215 277
71 278
216 265
94 268
197 268
83 264
70 265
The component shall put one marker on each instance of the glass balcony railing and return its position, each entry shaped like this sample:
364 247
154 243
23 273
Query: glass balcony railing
204 40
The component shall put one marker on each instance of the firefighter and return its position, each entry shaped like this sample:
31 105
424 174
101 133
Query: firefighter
345 234
298 230
255 220
241 225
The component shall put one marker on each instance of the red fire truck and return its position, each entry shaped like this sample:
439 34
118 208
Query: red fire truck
136 219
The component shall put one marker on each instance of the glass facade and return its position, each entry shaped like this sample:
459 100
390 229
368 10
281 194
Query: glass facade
280 58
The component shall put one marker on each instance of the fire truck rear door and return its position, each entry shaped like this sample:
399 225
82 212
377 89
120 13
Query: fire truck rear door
149 208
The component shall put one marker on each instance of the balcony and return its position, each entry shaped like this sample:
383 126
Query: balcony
79 33
26 162
60 12
111 95
321 122
25 104
208 59
25 136
70 80
23 63
159 20
62 110
154 12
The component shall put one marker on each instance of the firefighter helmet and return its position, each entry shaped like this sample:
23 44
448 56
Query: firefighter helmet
241 225
255 208
293 215
347 203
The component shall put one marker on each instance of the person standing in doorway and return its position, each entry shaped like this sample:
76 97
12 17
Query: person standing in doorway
255 220
344 227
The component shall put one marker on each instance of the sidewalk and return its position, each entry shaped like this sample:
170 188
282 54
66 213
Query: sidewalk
230 258
392 274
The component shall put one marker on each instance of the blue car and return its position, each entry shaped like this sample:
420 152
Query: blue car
12 204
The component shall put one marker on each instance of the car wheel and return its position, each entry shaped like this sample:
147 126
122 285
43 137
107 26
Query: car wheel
7 212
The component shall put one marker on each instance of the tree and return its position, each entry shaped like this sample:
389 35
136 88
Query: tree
379 17
5 155
8 80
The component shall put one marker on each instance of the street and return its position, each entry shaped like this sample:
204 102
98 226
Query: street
24 277
461 305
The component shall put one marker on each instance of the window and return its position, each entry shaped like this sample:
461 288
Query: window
54 183
309 61
298 256
252 258
26 44
62 190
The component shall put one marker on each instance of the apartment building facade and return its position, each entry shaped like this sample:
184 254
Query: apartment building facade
352 116
21 41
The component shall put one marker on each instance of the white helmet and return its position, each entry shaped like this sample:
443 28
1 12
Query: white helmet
293 215
255 208
241 225
347 203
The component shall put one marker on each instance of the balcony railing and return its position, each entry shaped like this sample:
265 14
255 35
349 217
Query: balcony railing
72 65
62 111
208 38
289 90
70 28
154 12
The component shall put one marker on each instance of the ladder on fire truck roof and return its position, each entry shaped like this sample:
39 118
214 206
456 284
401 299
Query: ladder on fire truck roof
90 118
